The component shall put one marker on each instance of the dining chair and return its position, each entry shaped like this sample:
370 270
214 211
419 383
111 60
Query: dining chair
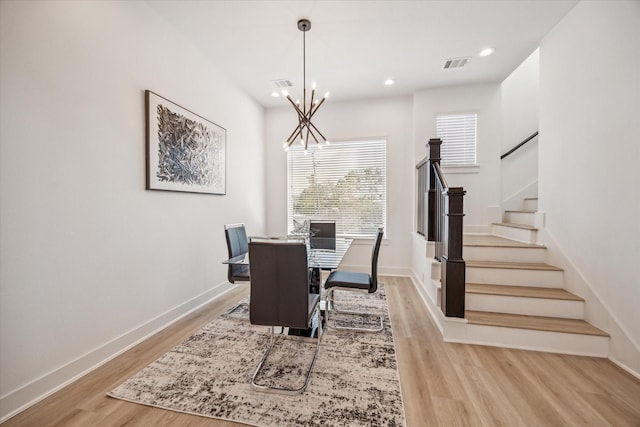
237 244
352 281
280 296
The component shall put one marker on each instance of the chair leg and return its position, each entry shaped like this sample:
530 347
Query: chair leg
330 307
282 390
237 306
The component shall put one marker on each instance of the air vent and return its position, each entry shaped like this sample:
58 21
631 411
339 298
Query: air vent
282 83
456 62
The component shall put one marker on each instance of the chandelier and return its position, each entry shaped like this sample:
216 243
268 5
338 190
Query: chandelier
305 128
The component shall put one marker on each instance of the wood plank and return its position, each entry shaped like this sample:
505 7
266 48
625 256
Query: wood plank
521 291
538 323
442 383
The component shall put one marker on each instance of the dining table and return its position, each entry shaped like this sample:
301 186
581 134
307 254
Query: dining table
323 253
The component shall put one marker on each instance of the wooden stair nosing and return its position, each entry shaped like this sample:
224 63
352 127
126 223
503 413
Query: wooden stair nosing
521 291
537 323
513 265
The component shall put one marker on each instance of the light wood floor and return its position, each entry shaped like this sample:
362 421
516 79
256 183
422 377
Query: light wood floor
443 384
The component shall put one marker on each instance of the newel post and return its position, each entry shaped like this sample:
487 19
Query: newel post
433 156
453 265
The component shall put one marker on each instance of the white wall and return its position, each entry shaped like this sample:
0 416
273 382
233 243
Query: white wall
482 183
90 261
390 118
589 155
520 120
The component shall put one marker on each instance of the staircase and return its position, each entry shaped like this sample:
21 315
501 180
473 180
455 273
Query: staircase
515 299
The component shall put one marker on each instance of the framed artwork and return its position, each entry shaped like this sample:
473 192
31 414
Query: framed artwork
185 152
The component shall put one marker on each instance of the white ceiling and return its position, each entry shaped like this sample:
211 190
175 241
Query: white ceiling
353 46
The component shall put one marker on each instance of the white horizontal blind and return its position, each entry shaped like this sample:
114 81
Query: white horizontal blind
458 134
344 181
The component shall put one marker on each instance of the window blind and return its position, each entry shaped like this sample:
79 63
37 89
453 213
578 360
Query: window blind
344 181
458 134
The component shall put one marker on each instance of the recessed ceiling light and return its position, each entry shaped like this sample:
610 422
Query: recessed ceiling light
487 51
389 82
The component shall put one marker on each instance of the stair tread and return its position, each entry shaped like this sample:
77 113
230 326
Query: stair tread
514 225
491 240
513 265
521 211
538 323
531 198
521 291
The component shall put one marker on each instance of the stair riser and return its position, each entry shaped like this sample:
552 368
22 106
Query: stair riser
525 218
531 205
519 234
555 342
516 277
493 253
528 306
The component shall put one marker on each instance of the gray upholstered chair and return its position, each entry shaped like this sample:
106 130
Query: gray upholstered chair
322 234
280 295
237 244
352 281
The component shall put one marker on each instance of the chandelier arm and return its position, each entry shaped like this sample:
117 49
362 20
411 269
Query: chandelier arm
308 132
299 132
316 129
313 135
312 112
294 134
295 106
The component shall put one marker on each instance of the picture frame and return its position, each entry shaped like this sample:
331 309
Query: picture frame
184 151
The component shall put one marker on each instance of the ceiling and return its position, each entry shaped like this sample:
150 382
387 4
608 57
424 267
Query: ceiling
353 46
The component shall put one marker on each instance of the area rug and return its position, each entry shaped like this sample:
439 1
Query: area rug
354 382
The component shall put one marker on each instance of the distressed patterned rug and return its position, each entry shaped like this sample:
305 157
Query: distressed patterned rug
354 382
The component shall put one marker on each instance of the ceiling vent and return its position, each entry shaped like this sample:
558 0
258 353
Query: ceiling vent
456 62
282 83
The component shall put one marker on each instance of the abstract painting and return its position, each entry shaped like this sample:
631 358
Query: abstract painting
185 152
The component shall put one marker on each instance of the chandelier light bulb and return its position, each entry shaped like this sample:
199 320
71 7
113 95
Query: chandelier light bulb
286 148
284 92
326 94
327 142
301 141
319 147
285 144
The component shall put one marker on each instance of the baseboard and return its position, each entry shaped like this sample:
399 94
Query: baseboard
625 368
28 395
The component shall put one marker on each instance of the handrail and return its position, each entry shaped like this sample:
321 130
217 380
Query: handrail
519 145
445 228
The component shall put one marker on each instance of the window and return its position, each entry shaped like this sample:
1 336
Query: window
458 134
344 181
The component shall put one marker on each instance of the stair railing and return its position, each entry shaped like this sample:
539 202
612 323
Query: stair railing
529 138
445 227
